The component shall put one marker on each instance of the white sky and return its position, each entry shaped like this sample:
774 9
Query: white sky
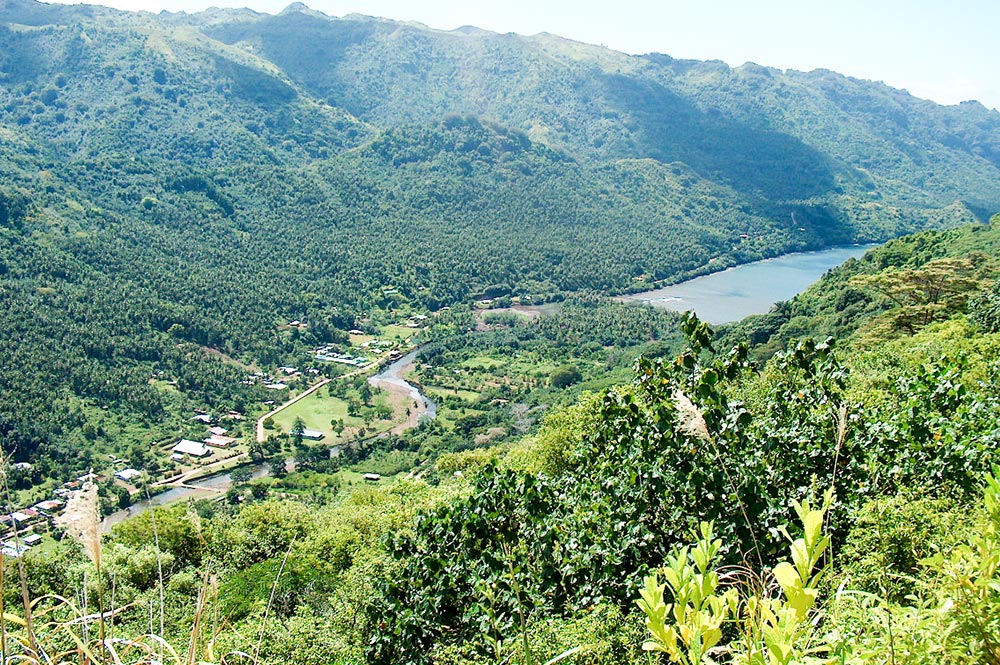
945 50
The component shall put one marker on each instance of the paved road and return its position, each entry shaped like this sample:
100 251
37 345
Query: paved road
262 436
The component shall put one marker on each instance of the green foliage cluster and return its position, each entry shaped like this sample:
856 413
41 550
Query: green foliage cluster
950 617
698 438
882 555
263 575
984 309
770 628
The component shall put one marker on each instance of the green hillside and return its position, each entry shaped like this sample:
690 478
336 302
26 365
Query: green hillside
839 498
203 215
769 134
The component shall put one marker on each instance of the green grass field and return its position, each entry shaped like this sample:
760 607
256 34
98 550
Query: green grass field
358 340
343 478
484 362
393 332
318 409
469 396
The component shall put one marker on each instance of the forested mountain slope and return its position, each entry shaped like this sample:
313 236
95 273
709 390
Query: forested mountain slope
537 548
769 134
193 180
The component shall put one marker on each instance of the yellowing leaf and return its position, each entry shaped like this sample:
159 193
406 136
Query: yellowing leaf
13 618
787 577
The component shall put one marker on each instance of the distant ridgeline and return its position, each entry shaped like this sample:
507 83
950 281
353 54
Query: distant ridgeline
173 183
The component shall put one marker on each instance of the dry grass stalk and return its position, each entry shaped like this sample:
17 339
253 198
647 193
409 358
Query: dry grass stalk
841 419
270 601
159 568
691 421
841 425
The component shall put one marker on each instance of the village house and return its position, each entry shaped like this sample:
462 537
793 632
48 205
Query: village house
24 517
219 441
191 448
49 506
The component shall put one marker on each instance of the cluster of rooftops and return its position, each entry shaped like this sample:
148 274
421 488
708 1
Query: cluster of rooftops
216 438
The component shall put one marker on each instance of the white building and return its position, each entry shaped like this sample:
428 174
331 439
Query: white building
217 441
192 448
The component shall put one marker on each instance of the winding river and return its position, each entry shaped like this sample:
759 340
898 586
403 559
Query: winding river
752 288
389 378
206 487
